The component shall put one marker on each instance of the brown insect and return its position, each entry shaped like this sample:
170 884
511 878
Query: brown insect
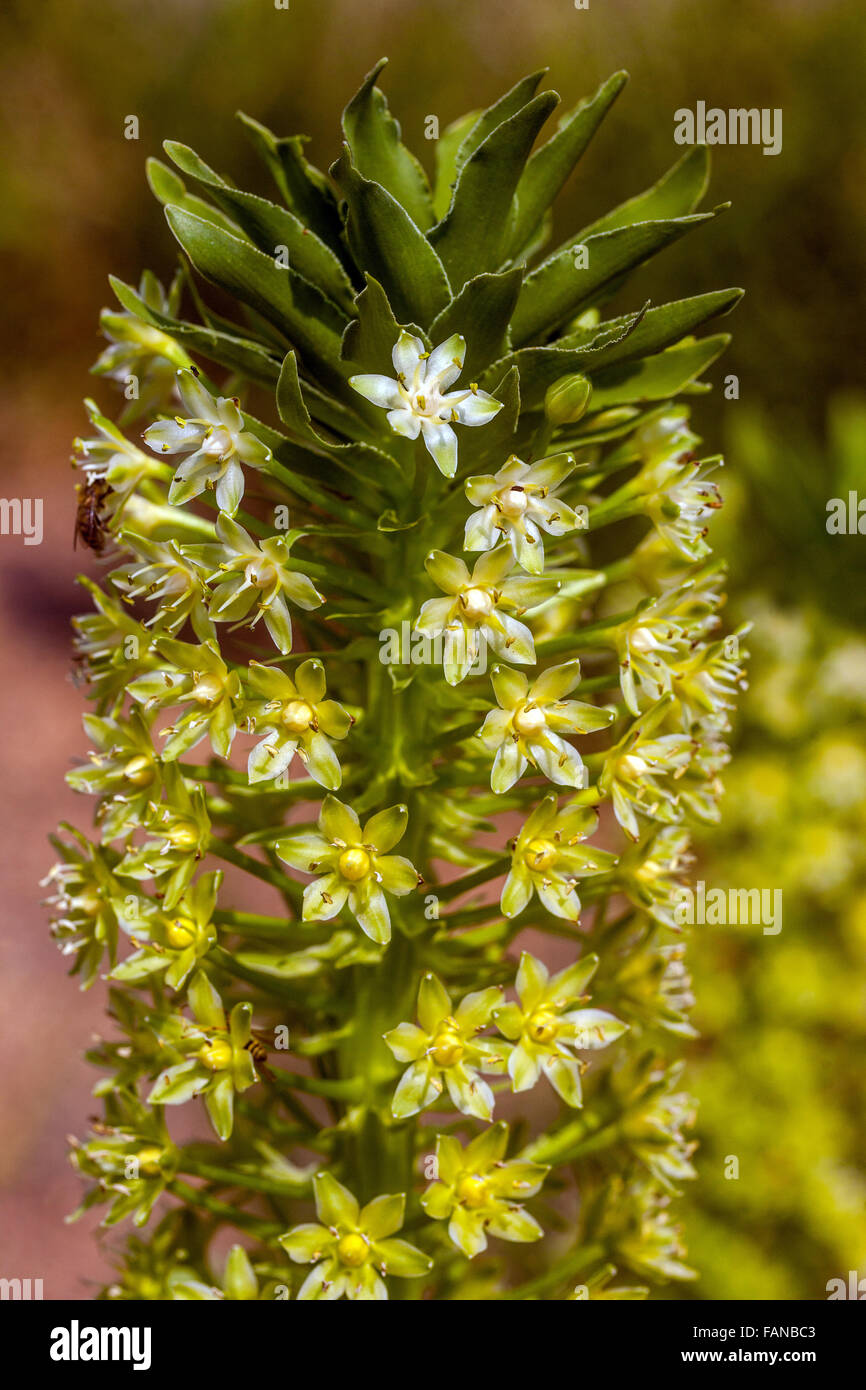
90 516
259 1053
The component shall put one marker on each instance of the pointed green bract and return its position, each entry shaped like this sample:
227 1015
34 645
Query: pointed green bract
272 229
471 238
570 280
386 243
549 167
378 153
286 300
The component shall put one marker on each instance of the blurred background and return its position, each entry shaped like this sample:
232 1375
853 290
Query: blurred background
779 1064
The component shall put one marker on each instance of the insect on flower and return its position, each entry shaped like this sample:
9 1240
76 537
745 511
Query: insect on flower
90 519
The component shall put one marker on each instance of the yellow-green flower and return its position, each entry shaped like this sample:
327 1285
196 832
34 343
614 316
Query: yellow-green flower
296 719
445 1051
125 771
178 836
529 724
640 771
358 869
517 505
707 680
250 575
480 1193
221 1063
546 1031
196 676
216 441
650 873
138 350
481 610
111 458
173 943
679 498
548 859
87 906
352 1247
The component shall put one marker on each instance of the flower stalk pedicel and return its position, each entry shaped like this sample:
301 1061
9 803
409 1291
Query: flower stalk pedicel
317 854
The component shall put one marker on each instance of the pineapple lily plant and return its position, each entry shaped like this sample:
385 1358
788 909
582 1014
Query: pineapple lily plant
407 686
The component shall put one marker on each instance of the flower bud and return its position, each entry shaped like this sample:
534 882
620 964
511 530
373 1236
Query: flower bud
567 399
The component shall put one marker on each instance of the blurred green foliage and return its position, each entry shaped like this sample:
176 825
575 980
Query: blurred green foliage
778 1070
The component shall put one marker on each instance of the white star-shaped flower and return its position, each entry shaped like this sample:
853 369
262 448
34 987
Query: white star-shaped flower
214 437
419 401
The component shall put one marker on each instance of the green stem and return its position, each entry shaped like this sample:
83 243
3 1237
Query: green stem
194 1197
349 1089
233 1177
577 1138
320 497
560 1273
221 849
485 874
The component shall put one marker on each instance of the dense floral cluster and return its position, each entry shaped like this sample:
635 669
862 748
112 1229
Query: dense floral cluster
430 388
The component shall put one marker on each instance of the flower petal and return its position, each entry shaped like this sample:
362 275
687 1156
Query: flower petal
407 354
416 1089
556 682
196 398
310 681
449 572
594 1028
568 985
466 1229
304 851
469 1093
383 1216
402 1259
397 875
475 1010
487 1148
307 1243
516 892
512 1223
531 981
475 409
563 1073
385 828
407 1041
510 687
321 761
338 822
445 362
441 444
508 765
434 1003
230 488
335 1204
324 898
379 390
